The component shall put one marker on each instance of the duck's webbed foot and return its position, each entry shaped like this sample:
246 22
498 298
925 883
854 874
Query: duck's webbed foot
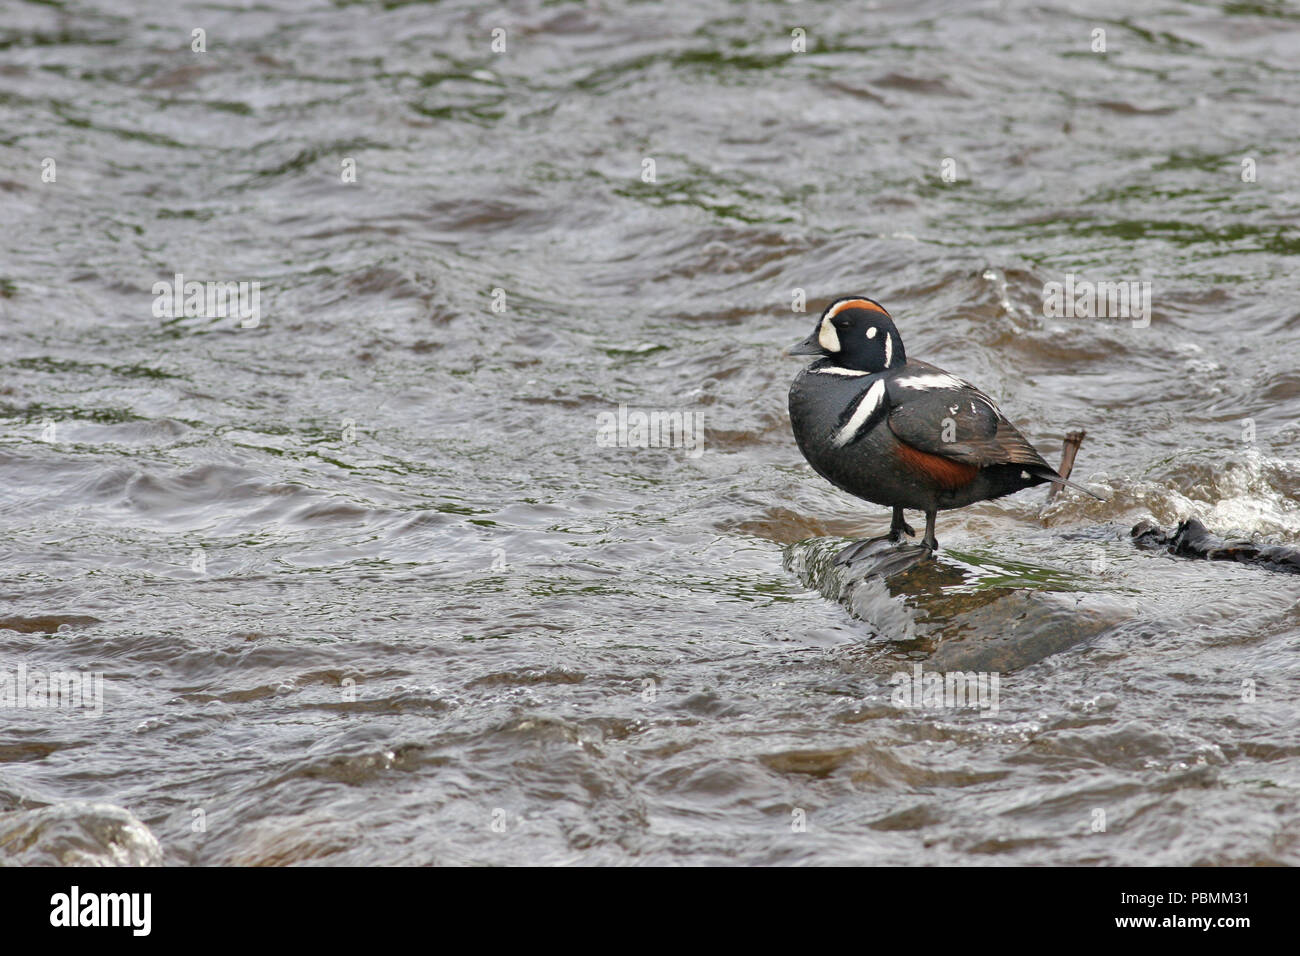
898 527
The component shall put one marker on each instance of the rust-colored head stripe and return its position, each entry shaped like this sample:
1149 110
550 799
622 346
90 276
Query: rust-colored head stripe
867 304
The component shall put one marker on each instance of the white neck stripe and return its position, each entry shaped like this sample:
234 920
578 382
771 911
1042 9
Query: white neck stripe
836 370
861 415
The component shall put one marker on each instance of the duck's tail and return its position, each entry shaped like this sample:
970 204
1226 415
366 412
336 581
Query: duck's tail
1050 474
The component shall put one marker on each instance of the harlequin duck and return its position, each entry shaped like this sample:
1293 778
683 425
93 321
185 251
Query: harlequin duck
901 433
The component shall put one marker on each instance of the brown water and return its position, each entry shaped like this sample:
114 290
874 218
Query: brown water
365 588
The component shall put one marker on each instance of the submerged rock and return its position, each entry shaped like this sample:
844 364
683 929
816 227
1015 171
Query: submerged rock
77 834
46 623
994 616
1023 627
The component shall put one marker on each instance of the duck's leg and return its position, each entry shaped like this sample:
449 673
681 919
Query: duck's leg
929 540
898 527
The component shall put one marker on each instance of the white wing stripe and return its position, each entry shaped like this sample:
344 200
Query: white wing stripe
935 380
930 381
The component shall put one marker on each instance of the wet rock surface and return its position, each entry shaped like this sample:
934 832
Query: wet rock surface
76 834
998 616
1191 539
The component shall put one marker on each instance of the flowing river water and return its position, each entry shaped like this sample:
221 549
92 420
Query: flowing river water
363 578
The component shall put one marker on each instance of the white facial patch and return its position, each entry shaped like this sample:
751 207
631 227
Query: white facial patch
871 332
867 407
827 337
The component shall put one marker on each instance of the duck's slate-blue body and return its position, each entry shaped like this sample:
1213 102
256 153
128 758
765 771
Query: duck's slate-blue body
901 433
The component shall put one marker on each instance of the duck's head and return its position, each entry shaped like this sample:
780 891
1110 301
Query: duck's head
855 333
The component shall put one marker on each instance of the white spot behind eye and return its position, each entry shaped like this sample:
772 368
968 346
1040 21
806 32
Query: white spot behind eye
871 332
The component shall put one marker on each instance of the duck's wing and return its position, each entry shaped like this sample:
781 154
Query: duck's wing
954 426
939 414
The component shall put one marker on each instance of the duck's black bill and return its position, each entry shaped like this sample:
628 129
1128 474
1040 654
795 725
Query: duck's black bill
809 346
